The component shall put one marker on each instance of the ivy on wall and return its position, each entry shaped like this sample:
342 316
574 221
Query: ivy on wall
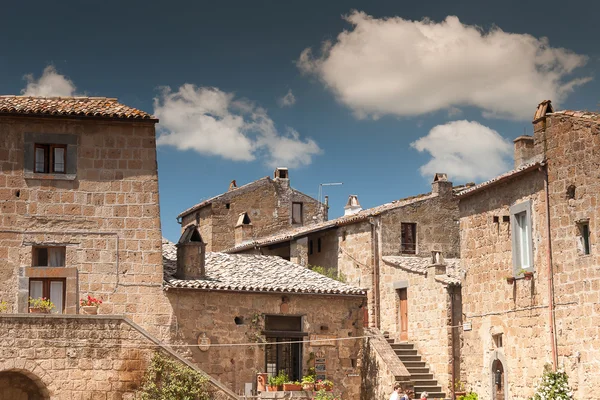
166 379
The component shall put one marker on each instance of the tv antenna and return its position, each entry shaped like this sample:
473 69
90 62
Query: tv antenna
326 184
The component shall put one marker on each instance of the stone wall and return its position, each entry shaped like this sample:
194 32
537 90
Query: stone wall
106 214
214 314
78 357
326 255
492 306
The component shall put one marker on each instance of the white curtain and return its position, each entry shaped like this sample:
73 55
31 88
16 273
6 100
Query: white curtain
36 289
56 296
56 257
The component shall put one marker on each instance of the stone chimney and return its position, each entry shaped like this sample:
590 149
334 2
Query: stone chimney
191 253
232 185
441 185
437 260
524 150
243 229
352 206
281 173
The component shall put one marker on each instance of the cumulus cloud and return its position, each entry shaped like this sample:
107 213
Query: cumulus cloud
288 100
465 150
50 84
212 122
405 68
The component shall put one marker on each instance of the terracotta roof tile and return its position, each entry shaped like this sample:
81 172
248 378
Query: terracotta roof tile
253 273
102 107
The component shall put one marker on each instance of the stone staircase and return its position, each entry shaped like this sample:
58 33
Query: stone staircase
419 371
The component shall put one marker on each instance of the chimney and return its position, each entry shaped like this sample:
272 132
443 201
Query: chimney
524 150
243 229
191 252
441 185
281 173
352 206
232 185
539 119
437 260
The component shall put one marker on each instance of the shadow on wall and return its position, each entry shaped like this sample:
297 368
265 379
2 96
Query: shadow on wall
369 373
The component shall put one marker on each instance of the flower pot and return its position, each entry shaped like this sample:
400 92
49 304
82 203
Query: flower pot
458 393
261 381
320 386
89 310
528 276
37 310
292 387
271 388
308 386
510 280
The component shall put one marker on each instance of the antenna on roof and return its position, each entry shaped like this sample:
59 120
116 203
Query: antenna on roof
326 184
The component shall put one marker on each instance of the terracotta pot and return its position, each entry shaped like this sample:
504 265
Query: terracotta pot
37 310
528 275
89 310
261 381
308 386
510 280
271 388
319 386
292 387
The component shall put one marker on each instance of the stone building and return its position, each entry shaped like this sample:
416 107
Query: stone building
79 215
262 313
260 208
529 245
405 254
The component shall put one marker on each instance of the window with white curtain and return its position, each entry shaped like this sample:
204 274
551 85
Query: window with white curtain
522 241
54 256
53 289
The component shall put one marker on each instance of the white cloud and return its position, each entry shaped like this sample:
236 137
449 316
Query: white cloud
50 84
212 122
406 68
465 150
288 100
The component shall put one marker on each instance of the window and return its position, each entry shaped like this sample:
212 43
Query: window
318 245
50 158
53 289
296 213
584 237
310 247
522 243
408 239
497 340
284 356
49 256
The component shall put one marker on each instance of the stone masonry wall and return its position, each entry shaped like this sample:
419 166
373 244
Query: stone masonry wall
106 215
78 357
492 306
213 313
573 154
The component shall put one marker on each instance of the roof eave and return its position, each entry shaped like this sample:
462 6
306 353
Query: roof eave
514 175
83 117
166 288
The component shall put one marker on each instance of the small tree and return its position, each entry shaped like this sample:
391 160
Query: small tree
166 379
553 385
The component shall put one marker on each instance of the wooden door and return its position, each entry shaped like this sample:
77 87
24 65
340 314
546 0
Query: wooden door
403 295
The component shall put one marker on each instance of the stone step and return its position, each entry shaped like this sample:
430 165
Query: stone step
432 395
413 364
428 389
423 382
418 370
390 341
405 352
403 346
422 377
406 359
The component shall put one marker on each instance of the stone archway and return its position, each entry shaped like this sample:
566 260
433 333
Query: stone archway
22 385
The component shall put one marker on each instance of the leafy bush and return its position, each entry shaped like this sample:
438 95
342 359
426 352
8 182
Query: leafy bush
328 272
3 307
553 385
469 396
166 379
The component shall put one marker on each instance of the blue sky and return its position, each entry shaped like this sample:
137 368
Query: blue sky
378 109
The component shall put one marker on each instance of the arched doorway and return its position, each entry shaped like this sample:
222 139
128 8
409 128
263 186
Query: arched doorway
21 385
498 390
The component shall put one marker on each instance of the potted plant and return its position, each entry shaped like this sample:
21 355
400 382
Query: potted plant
292 386
459 387
469 396
308 382
272 386
90 305
40 305
510 280
325 395
324 385
280 379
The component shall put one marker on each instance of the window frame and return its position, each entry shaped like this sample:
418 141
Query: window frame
46 282
294 221
584 237
403 249
516 210
35 256
49 158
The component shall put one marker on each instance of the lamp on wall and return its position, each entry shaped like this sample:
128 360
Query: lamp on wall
498 378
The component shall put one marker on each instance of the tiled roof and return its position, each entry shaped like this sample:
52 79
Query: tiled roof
344 220
102 107
500 178
578 114
421 264
253 273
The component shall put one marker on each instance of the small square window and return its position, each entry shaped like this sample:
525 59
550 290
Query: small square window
408 238
498 340
297 213
48 256
50 159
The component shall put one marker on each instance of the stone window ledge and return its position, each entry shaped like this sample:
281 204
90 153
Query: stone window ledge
50 177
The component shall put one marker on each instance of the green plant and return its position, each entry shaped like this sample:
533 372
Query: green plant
42 303
553 385
469 396
308 379
281 378
3 307
328 272
272 381
166 379
459 386
325 395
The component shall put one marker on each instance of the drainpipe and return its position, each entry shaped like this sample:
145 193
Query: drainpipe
451 292
375 256
551 318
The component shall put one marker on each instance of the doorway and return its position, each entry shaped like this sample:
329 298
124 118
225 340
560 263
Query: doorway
403 313
15 385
